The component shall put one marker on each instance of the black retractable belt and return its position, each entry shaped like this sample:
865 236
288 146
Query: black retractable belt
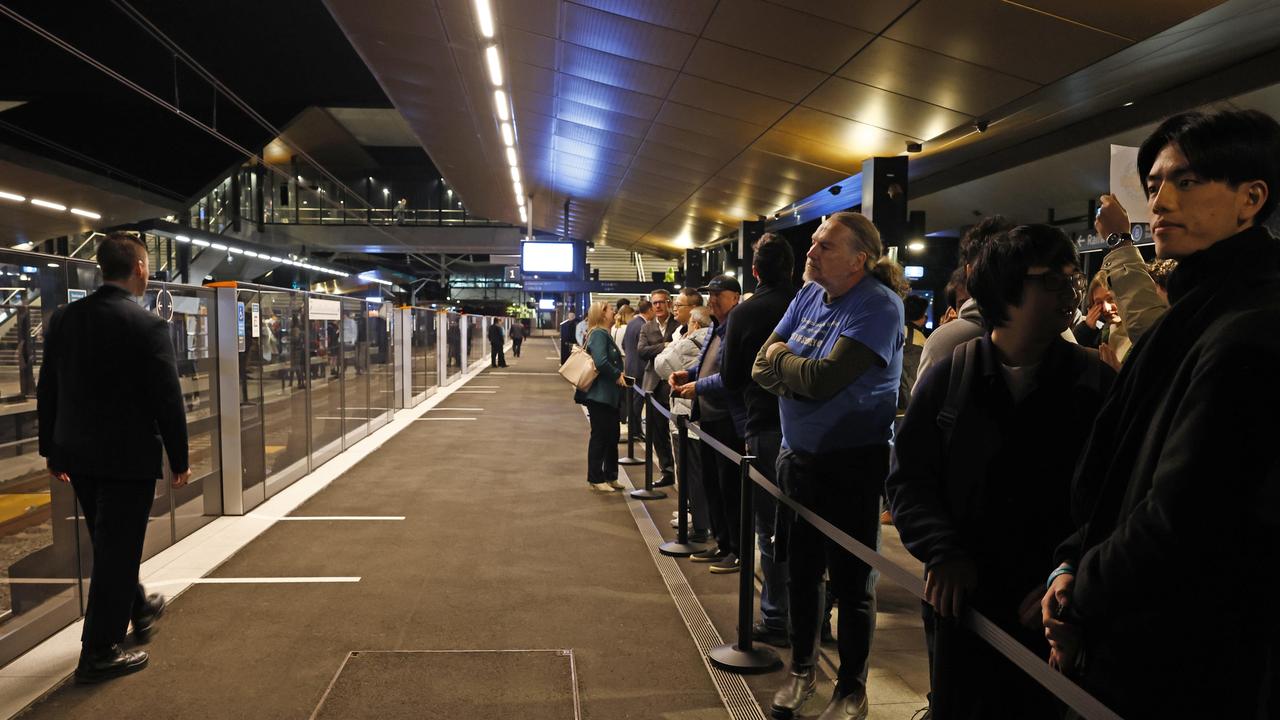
681 547
742 656
631 458
648 492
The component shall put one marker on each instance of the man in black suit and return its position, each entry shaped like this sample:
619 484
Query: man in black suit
654 337
497 358
109 402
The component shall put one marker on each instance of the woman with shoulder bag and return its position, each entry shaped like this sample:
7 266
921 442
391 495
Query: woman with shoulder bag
601 399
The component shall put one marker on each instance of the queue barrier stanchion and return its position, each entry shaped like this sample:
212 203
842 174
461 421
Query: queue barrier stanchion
648 492
681 547
631 458
742 656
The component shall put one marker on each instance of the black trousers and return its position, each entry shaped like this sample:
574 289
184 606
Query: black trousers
721 484
658 431
497 358
843 488
116 511
602 449
515 345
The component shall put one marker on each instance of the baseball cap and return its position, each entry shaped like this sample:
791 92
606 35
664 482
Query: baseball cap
722 282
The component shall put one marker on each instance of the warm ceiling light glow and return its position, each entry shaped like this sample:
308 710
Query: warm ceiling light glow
495 65
916 246
519 190
511 157
182 238
524 215
218 246
200 243
47 204
238 251
484 16
276 259
86 213
250 253
508 137
500 102
515 174
11 196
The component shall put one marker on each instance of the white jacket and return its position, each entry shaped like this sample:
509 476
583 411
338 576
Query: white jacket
680 355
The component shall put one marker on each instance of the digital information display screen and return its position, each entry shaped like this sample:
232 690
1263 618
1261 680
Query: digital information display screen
546 257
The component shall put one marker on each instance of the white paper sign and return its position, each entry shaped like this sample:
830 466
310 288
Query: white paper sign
256 319
322 309
1126 185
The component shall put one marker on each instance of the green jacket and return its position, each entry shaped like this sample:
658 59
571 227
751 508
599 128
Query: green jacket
608 359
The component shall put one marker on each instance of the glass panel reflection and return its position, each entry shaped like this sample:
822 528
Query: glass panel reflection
284 387
453 338
324 357
423 344
381 328
353 369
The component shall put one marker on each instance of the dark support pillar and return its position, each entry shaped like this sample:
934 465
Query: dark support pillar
233 202
884 197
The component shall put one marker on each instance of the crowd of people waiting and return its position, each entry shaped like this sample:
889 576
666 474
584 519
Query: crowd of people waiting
1085 463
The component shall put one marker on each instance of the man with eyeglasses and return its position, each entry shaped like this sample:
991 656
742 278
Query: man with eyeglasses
986 453
654 337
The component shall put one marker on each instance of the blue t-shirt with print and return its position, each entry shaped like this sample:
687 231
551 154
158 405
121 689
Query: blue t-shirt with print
862 413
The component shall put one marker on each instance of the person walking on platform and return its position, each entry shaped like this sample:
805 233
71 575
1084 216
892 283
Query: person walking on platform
497 358
834 361
720 416
109 403
1014 404
748 328
517 337
635 365
601 400
654 337
1162 603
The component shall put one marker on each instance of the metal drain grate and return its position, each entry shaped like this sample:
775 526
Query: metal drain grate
732 688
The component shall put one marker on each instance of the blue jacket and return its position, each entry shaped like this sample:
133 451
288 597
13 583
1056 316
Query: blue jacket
713 385
630 347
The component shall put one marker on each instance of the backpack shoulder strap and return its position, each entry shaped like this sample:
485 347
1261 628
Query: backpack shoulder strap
963 360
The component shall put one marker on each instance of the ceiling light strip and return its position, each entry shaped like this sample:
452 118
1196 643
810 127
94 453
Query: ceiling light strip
504 111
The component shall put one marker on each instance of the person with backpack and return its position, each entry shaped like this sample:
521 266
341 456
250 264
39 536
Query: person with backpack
985 454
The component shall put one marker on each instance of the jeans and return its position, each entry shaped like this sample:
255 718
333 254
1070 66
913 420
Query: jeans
602 449
721 483
774 603
116 512
843 487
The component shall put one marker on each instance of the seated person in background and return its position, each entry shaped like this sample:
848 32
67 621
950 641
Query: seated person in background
985 461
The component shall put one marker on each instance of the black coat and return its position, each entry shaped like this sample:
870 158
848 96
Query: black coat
749 325
1178 496
108 397
495 334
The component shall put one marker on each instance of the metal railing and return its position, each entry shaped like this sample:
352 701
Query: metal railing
742 656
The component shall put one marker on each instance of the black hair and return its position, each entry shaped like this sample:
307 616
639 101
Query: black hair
117 254
977 236
1000 268
621 302
1232 146
914 307
955 285
773 259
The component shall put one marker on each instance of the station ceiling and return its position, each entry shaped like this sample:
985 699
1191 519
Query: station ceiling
666 123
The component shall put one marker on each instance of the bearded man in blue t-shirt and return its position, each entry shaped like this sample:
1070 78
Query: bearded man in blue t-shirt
834 362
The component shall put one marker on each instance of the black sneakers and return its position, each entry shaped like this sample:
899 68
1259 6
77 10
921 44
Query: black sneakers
730 564
709 556
144 624
776 637
110 663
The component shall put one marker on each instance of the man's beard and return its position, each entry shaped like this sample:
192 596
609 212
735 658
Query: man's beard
811 273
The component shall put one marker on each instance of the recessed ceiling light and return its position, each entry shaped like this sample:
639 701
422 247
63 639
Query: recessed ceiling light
250 253
495 65
182 238
200 243
237 251
484 16
500 103
1128 103
519 190
218 246
916 246
508 137
511 157
47 204
515 174
12 196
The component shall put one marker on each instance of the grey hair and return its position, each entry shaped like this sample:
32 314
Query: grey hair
701 315
866 239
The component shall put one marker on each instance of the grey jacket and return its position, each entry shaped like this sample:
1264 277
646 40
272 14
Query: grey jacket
652 341
681 355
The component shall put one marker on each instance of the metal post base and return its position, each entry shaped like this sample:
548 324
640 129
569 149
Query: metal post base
630 461
643 494
682 549
750 662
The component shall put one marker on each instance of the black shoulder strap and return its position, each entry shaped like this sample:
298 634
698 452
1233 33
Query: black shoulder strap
963 360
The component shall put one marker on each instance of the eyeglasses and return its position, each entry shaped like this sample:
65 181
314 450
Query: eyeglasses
1057 282
659 302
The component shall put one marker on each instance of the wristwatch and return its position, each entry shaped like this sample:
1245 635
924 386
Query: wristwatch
1116 239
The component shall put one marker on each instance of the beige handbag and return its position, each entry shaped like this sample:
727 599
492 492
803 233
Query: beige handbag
579 369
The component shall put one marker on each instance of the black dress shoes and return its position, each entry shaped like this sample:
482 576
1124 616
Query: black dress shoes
110 663
144 623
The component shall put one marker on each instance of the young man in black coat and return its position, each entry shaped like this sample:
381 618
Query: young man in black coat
1163 602
985 458
109 402
497 358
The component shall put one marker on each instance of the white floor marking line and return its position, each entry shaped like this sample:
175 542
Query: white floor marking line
329 517
444 419
475 392
258 580
484 387
440 409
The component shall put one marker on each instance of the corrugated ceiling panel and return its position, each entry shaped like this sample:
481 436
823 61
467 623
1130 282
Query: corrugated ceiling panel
613 70
884 109
724 128
625 37
870 15
775 31
751 71
687 16
734 102
608 97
